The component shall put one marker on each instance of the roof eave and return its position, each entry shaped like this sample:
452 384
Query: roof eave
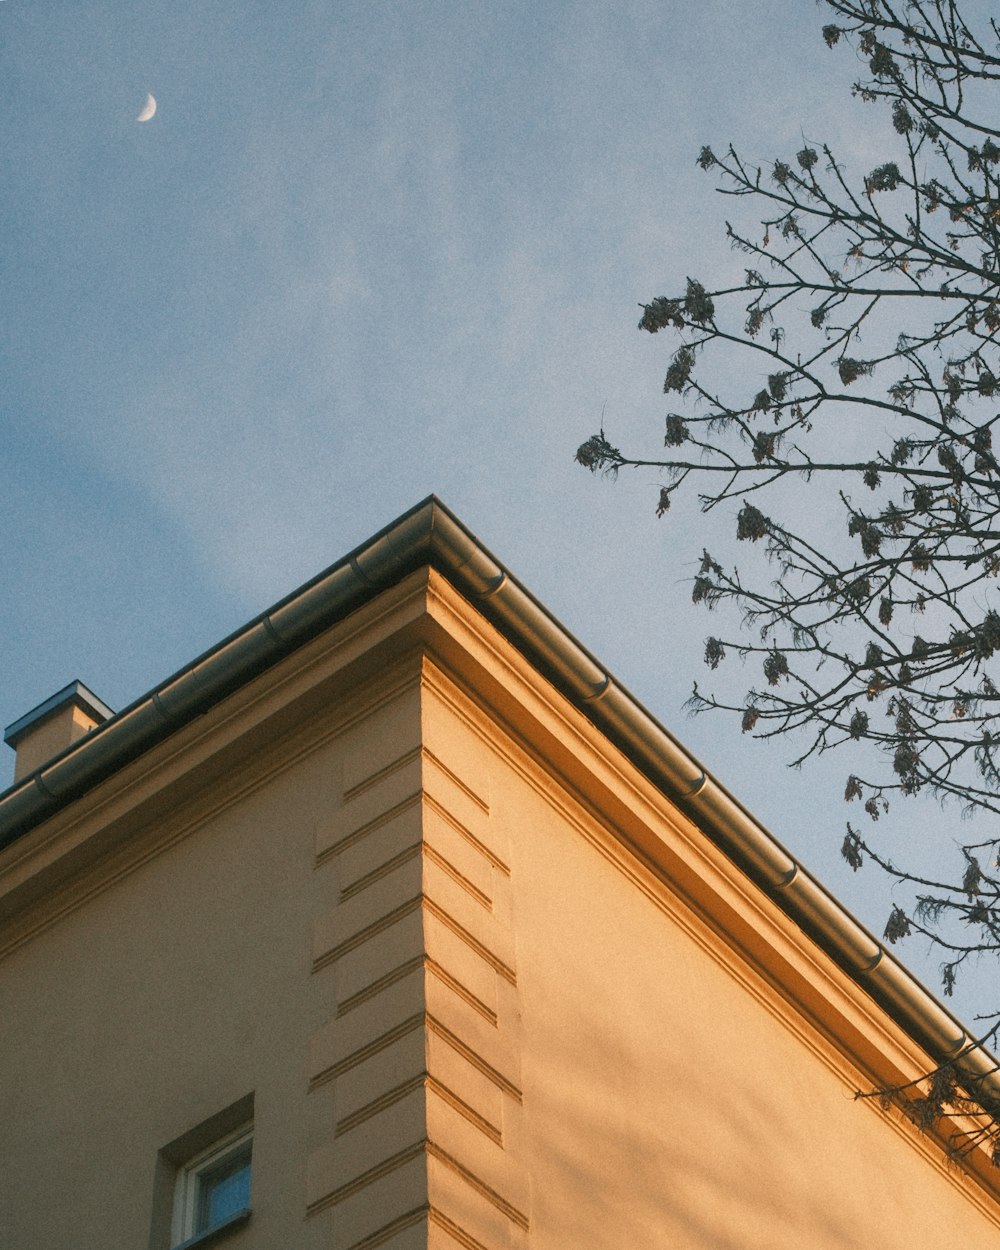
430 534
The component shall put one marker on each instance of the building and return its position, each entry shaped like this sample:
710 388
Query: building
395 921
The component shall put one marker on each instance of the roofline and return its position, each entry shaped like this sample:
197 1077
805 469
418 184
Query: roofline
430 534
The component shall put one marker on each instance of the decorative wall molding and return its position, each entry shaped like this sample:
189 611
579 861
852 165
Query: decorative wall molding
418 1068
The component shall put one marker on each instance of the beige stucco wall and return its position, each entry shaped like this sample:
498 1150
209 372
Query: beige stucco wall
181 988
666 1106
400 902
672 1096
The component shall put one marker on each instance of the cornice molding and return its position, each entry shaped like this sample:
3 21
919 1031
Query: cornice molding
429 535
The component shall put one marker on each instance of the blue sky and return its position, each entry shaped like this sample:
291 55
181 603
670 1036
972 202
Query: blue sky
366 251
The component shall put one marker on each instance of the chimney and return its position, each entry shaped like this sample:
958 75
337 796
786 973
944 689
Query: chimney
53 726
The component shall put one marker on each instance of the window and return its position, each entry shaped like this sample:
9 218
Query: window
213 1188
202 1181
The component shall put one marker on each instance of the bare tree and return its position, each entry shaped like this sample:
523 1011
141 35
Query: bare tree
855 366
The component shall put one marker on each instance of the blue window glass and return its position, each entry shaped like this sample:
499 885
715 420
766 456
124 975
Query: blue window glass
224 1189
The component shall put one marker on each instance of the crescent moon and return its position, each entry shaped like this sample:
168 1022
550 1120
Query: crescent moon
148 109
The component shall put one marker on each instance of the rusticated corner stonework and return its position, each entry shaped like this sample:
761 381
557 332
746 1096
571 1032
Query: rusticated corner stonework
415 1081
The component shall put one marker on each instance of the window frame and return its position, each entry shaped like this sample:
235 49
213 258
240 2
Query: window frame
187 1228
200 1149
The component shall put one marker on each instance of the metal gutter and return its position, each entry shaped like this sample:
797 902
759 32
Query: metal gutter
429 534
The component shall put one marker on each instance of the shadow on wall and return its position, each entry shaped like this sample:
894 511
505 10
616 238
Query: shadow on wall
669 1107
